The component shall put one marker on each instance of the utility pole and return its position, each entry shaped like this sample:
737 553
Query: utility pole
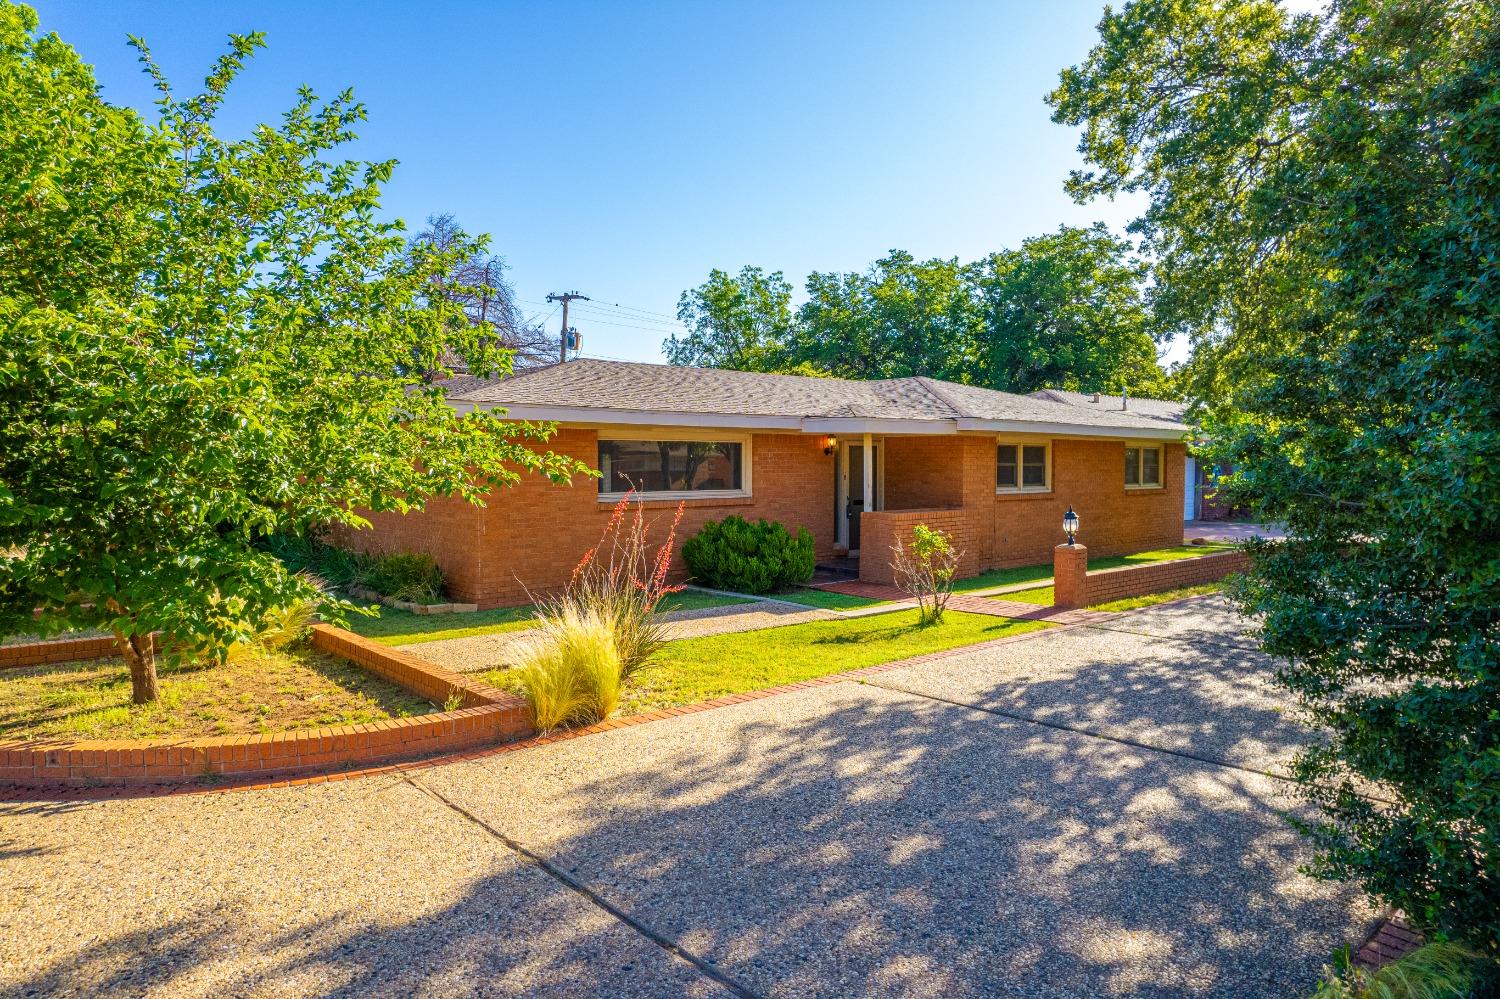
565 298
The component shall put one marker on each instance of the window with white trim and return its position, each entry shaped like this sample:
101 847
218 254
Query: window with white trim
1023 468
665 468
1142 467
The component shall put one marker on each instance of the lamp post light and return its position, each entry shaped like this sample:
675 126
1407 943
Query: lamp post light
1070 525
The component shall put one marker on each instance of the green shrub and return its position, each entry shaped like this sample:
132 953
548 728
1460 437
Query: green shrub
569 668
734 554
413 576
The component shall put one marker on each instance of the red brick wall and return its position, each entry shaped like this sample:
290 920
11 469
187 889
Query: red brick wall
531 535
1090 476
929 473
880 530
1134 581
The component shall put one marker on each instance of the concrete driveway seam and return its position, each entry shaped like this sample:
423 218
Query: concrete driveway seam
1078 730
661 940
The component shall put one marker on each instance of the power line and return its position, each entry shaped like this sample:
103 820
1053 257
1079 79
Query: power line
565 297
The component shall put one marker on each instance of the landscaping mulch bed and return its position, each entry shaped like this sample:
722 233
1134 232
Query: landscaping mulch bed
260 691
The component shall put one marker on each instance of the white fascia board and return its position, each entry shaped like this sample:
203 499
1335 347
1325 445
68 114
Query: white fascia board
632 418
857 425
1072 430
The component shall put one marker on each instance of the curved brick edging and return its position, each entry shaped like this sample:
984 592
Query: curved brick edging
53 651
54 791
487 716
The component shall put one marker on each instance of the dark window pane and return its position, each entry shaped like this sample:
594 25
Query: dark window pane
1132 466
1151 466
1034 466
1005 466
669 466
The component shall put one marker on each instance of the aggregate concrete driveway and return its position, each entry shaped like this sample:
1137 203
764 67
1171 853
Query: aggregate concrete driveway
1089 813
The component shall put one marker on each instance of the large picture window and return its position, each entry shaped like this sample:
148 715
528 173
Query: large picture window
671 466
1021 468
1142 467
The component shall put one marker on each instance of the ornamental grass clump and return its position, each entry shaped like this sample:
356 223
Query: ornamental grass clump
569 668
602 629
624 578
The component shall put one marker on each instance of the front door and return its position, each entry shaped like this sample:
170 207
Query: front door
856 489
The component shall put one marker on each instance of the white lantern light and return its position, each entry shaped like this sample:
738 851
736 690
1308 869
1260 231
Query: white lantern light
1070 524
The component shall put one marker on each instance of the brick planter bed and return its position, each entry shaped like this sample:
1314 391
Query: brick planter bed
488 716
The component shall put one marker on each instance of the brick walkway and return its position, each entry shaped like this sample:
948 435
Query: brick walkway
1393 938
972 604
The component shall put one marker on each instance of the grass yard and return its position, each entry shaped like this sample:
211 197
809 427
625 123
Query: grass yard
401 627
697 669
258 692
829 600
1043 595
1036 573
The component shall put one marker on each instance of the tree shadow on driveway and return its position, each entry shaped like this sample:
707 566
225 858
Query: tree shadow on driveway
845 840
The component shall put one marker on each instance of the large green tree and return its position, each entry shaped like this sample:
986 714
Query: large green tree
1325 214
202 341
734 321
1066 310
900 317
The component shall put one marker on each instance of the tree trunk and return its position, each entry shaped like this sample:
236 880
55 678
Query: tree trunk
139 653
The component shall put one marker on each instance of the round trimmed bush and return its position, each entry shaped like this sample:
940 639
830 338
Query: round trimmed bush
735 554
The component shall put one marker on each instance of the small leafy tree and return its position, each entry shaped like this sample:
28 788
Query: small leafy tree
207 341
926 570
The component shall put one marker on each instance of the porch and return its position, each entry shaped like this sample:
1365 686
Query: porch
885 485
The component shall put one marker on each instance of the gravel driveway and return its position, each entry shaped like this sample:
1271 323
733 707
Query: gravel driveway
1090 813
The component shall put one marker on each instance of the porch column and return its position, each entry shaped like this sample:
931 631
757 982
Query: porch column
869 472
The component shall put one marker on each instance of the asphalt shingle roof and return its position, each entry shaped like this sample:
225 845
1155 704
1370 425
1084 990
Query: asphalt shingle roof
1158 408
636 387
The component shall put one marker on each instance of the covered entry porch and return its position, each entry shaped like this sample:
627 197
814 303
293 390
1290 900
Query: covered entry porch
887 484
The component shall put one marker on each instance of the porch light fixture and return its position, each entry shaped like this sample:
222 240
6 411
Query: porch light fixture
830 444
1070 525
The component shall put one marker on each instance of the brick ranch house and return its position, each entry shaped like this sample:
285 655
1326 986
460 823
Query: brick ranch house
857 463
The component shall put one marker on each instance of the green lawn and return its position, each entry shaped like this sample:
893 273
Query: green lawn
401 627
1043 595
1036 573
829 600
697 669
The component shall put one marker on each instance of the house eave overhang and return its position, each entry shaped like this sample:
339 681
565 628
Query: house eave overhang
600 416
1071 429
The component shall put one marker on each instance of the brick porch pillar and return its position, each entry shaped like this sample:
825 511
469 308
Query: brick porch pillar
1070 569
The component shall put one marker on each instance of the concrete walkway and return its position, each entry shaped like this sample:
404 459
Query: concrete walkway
1092 812
475 653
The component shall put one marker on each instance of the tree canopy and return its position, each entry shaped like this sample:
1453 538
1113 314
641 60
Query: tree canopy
1064 310
207 340
1325 218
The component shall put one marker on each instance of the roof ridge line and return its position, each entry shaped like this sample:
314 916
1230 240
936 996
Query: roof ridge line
929 385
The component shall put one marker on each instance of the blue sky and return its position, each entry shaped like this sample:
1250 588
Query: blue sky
626 149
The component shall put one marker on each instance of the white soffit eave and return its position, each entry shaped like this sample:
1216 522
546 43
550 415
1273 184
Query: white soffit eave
811 425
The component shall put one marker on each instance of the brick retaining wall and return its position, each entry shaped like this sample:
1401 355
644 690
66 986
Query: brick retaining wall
1074 586
64 650
488 716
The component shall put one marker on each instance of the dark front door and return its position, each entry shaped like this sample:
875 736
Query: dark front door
857 504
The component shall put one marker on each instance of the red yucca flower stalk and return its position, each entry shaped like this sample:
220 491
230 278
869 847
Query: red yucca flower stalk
627 587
